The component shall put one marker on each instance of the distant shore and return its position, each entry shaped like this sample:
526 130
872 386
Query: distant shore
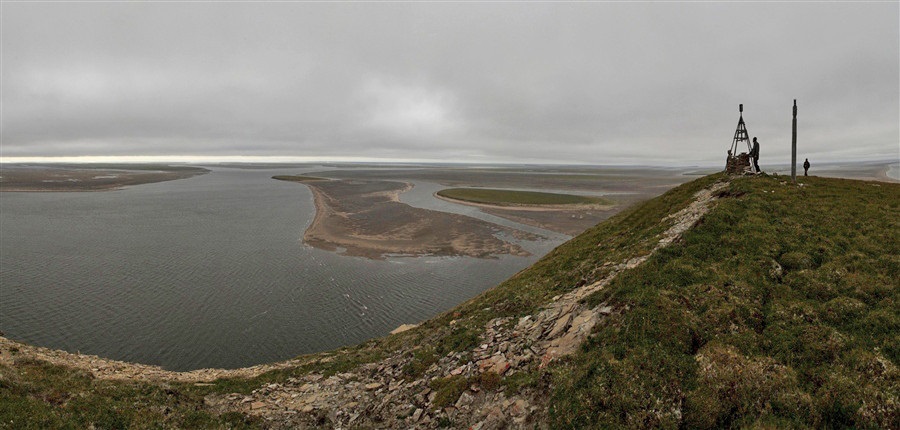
88 178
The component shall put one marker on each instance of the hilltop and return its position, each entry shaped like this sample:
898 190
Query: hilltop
725 302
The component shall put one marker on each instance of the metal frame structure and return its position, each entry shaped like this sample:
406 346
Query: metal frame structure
740 134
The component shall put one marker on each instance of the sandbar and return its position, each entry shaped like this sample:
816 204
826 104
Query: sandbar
366 218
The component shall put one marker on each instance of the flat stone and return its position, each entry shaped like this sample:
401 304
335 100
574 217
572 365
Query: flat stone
500 366
584 322
523 321
257 405
561 325
374 386
465 399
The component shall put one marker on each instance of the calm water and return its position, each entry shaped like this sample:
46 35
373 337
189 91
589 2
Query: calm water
211 272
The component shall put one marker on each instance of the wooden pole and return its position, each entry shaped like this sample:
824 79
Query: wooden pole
794 146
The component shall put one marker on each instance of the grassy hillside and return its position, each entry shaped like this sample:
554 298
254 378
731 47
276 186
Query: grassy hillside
779 309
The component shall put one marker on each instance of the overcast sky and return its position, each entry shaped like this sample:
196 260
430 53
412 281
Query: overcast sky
595 83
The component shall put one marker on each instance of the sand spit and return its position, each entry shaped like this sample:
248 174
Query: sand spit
366 218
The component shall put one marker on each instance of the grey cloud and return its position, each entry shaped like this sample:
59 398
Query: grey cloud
574 82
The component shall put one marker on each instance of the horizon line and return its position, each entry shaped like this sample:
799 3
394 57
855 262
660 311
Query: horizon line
277 159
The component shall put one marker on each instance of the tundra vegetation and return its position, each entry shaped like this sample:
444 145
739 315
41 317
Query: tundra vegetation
778 309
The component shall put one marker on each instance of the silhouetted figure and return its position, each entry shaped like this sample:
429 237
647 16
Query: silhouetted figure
754 154
806 167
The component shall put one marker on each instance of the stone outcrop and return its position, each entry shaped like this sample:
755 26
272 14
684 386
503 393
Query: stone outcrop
738 164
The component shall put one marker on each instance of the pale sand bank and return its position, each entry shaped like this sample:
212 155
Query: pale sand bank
366 219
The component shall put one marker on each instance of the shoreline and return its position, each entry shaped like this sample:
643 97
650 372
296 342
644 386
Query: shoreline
52 180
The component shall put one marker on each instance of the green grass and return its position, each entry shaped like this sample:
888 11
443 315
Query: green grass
512 198
38 395
716 336
298 178
707 333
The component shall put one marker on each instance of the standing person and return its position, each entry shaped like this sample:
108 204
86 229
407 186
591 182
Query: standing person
754 154
806 167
